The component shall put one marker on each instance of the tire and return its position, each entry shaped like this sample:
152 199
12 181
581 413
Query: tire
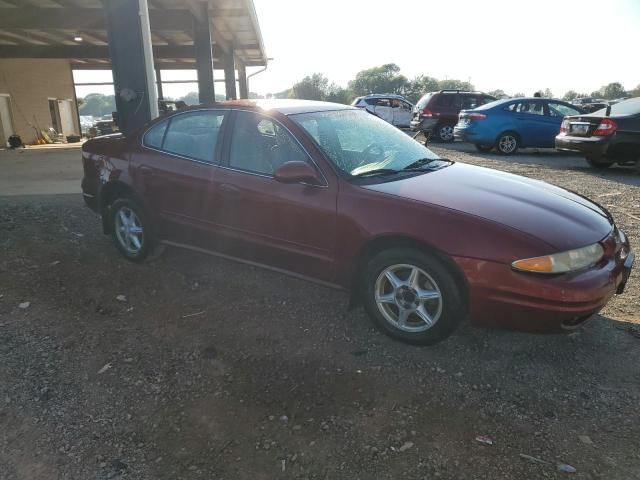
507 143
131 229
597 162
483 148
442 302
444 133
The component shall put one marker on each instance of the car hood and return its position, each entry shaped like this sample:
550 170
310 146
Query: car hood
562 219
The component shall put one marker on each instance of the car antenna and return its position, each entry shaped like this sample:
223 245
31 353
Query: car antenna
608 111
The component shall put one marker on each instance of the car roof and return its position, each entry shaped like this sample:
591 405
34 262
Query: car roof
284 106
378 95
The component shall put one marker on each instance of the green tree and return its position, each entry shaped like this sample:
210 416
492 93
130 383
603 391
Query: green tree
419 86
570 95
635 92
453 84
547 93
97 105
311 87
613 90
382 79
518 95
498 93
340 95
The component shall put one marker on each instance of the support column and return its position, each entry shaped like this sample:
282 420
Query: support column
132 62
242 81
204 54
230 76
159 84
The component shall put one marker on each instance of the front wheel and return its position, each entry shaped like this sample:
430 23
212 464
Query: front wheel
130 229
412 296
507 143
597 162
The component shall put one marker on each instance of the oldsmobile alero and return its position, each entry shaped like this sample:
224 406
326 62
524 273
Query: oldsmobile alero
333 194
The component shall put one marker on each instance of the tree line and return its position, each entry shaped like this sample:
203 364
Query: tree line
388 79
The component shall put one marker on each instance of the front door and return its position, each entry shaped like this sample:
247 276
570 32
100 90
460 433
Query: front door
174 174
383 109
401 113
531 122
286 226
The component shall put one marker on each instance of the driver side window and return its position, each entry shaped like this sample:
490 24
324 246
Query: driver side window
260 145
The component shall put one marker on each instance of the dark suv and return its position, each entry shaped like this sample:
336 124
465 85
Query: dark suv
437 112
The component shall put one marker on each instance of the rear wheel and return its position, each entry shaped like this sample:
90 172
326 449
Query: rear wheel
483 148
598 162
412 296
445 133
130 229
507 143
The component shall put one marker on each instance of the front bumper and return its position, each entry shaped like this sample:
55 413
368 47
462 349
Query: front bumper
592 146
502 297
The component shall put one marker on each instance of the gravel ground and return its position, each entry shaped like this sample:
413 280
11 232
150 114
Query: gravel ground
196 367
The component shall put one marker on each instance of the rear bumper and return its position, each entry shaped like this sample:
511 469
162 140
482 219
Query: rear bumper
424 124
594 146
502 297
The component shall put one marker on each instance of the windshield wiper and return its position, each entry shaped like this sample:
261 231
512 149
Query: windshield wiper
422 162
377 171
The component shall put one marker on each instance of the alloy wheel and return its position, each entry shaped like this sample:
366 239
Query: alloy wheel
408 298
446 133
507 143
129 230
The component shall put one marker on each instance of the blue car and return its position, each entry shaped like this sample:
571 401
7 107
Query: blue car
513 123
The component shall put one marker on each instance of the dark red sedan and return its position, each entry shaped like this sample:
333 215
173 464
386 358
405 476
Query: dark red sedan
335 195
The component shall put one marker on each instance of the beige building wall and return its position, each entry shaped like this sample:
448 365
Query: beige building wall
30 84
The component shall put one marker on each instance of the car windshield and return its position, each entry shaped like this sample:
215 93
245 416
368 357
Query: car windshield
357 142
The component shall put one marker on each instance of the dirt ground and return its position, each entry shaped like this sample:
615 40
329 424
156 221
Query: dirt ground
194 367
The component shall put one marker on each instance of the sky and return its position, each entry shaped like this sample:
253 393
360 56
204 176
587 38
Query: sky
517 46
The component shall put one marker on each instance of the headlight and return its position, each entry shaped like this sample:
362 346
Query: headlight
562 262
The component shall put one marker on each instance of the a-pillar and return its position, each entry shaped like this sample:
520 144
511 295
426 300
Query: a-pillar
230 76
242 81
204 54
132 62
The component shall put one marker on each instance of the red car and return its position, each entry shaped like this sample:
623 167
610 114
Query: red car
333 194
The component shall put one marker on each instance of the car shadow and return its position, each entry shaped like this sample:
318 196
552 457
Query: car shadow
545 157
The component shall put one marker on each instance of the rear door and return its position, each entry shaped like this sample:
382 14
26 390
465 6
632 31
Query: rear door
174 173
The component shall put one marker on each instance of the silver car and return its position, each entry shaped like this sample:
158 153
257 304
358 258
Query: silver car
394 109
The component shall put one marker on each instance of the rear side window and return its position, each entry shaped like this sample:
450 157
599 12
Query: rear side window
626 107
561 110
424 100
356 101
192 135
153 138
371 101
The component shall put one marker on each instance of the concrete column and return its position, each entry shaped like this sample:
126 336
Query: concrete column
204 54
242 81
159 84
230 76
132 62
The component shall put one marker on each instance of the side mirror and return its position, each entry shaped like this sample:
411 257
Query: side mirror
296 171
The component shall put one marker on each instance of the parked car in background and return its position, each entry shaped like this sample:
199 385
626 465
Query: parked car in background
86 122
394 109
605 137
585 100
437 112
594 107
330 193
105 126
507 125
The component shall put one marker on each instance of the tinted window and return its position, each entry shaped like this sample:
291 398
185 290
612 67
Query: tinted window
424 101
260 144
194 134
470 101
356 101
445 100
153 138
383 102
561 110
371 101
